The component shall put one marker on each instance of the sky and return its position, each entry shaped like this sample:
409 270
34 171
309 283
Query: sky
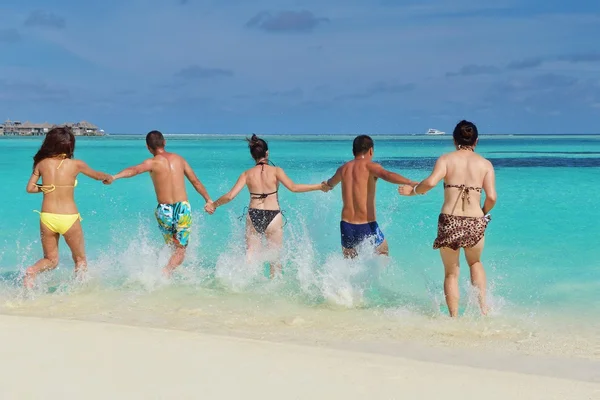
293 67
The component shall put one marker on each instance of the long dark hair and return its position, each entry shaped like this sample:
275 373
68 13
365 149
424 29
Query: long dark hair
465 133
258 147
58 141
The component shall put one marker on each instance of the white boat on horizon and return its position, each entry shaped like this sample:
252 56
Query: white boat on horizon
435 132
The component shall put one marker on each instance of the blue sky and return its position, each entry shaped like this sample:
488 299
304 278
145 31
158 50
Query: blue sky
337 66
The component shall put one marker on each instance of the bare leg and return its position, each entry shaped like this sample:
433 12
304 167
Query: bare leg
383 249
349 253
175 261
451 267
50 261
253 243
478 279
274 235
74 239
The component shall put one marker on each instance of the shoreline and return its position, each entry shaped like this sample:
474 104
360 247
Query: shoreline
451 354
130 362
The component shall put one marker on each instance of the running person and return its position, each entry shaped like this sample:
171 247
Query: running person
359 178
173 212
54 164
264 215
462 221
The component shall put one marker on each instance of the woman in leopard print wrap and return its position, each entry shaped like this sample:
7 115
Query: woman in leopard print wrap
461 225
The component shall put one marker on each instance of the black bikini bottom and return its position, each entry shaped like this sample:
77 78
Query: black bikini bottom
262 218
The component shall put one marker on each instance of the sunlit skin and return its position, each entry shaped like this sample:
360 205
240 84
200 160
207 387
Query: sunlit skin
462 166
168 171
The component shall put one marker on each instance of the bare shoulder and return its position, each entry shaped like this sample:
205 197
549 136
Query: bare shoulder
487 163
79 164
373 165
41 166
180 159
445 157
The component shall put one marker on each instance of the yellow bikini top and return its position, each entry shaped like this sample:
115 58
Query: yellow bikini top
52 187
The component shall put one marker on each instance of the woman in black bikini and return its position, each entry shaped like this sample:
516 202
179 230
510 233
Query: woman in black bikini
264 216
463 221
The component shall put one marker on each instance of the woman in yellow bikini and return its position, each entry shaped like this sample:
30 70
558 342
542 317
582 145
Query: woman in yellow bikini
53 163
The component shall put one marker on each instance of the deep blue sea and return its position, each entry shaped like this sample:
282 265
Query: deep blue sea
542 251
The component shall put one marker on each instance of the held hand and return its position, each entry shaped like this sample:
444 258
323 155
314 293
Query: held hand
325 187
405 190
108 180
210 208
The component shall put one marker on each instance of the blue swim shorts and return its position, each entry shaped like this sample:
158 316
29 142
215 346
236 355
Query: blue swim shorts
354 234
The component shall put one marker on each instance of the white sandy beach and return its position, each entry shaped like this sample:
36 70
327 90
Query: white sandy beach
46 358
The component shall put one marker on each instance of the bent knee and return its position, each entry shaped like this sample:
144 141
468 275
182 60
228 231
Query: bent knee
52 262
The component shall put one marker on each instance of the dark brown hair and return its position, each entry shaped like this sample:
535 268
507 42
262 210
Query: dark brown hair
362 144
258 147
465 133
155 140
58 141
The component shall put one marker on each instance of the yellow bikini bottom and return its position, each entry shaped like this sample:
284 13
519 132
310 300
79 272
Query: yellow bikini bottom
58 223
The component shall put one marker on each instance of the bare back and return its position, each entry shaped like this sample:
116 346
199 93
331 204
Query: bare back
262 179
61 173
471 170
168 172
358 192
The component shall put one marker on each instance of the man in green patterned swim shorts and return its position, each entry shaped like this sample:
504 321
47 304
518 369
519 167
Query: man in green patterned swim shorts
173 213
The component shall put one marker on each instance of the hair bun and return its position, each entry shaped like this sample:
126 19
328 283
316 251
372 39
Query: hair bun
254 138
467 132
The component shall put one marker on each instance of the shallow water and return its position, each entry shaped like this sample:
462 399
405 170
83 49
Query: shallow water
542 255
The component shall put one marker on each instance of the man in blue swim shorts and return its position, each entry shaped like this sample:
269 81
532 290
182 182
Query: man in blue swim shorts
173 213
358 178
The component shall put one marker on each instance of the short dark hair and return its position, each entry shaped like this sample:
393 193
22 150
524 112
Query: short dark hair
362 144
465 133
155 140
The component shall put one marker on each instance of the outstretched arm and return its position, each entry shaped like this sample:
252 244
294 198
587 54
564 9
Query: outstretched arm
146 166
438 173
489 186
83 168
297 187
191 176
32 186
335 179
388 176
235 190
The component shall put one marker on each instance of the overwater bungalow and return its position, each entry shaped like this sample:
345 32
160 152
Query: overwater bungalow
18 128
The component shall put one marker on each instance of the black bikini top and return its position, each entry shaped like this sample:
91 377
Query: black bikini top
262 195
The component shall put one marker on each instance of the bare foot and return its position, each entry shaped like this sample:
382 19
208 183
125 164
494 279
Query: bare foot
80 275
29 279
167 272
484 310
275 271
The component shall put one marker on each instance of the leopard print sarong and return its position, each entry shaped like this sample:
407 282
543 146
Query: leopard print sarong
456 232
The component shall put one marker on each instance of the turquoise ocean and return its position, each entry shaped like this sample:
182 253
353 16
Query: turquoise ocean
542 251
